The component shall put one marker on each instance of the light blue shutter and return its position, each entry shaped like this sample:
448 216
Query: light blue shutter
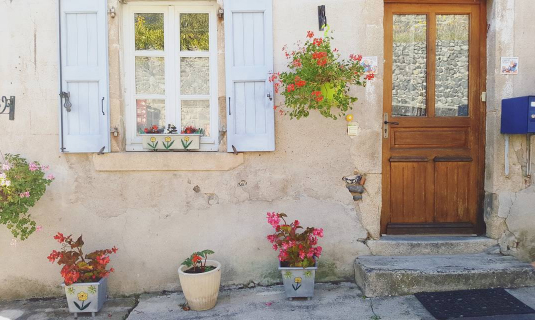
249 62
84 76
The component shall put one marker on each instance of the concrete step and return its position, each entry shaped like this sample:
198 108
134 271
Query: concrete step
401 275
429 245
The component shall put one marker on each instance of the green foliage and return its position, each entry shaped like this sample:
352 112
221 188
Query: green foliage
314 68
196 260
194 32
149 31
22 184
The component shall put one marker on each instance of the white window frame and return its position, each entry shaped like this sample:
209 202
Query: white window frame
172 55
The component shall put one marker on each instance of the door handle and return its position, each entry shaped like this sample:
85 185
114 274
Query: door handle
392 123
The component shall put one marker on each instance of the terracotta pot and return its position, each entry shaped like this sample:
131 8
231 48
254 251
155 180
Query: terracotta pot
201 289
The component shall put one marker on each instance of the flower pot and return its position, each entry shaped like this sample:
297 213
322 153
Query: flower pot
298 282
201 289
171 141
86 297
328 90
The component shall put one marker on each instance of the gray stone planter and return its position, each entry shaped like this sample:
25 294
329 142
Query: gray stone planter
298 282
86 297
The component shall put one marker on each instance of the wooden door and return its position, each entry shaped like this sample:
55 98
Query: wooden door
433 144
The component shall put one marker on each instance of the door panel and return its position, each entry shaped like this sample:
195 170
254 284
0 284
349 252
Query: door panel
431 145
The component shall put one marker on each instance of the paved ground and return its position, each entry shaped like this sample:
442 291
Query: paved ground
331 301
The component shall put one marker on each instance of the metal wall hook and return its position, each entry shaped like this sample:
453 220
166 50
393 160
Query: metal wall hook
9 103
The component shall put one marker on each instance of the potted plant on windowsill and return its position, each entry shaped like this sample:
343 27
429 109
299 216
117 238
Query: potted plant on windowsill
200 279
318 79
85 276
155 138
298 254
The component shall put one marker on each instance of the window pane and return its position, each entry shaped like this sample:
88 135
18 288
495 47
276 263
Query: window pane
451 93
149 31
196 113
150 112
150 75
194 32
409 67
194 76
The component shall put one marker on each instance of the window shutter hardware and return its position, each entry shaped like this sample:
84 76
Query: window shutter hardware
269 96
103 106
67 105
229 113
9 103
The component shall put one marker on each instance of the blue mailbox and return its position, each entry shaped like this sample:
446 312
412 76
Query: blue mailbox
518 115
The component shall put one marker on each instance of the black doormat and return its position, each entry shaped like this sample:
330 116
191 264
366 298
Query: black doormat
472 303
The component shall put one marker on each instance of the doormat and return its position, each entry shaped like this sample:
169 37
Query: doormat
472 303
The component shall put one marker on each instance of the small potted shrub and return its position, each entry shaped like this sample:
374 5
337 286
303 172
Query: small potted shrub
298 254
22 184
85 276
200 279
318 79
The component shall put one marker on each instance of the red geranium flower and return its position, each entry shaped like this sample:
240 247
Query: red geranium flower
310 34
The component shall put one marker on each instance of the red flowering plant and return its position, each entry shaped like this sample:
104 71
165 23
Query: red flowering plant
78 268
197 262
296 249
318 79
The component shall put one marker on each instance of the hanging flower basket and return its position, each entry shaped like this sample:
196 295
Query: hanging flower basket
318 79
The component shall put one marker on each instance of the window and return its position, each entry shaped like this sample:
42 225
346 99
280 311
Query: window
171 70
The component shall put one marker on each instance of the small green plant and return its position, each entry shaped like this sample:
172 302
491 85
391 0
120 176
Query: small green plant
22 184
195 262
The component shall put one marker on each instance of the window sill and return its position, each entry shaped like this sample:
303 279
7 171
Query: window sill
167 161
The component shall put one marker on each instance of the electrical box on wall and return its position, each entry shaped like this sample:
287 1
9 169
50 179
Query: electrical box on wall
518 115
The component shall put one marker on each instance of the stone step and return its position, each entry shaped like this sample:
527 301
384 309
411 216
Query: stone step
401 275
429 245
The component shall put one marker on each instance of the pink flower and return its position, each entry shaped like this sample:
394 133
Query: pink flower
275 247
271 238
318 232
50 177
273 219
38 228
285 246
33 167
44 168
319 249
310 253
6 167
301 254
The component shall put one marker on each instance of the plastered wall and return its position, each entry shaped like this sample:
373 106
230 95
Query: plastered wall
156 218
510 199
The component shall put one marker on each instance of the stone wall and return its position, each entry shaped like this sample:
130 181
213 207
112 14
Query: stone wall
409 78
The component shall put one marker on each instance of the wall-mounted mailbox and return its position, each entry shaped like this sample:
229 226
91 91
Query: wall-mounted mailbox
518 115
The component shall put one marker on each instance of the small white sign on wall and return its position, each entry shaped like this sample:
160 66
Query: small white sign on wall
370 65
509 65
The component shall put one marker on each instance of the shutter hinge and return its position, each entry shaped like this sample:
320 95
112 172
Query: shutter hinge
484 96
221 13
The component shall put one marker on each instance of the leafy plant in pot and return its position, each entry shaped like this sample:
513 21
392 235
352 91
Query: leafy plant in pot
298 254
318 79
200 279
85 276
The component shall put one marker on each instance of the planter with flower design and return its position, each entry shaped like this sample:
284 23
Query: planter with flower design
86 297
163 142
85 276
298 281
298 254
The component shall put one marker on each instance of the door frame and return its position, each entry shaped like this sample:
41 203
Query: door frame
480 226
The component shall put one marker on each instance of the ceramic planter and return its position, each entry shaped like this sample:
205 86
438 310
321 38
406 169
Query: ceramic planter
86 297
201 289
328 90
172 141
298 282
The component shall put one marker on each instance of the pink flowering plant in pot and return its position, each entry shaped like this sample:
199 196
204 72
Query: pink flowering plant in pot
22 184
298 254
